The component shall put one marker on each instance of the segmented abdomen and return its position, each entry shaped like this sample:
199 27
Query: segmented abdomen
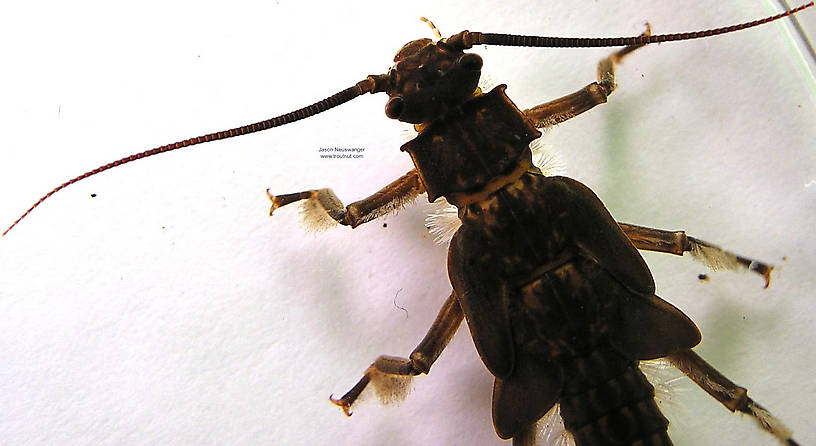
566 316
608 401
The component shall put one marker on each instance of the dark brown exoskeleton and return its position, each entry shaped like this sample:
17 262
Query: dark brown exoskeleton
559 302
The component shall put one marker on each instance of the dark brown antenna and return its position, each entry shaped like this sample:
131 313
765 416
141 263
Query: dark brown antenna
468 39
369 85
375 84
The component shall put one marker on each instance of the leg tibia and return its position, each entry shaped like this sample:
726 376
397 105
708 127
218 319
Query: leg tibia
322 209
391 375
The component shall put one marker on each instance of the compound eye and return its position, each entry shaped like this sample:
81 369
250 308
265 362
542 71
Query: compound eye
470 62
394 107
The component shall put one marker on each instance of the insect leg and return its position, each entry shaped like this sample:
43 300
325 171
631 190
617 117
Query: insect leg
387 373
678 243
322 203
732 396
573 104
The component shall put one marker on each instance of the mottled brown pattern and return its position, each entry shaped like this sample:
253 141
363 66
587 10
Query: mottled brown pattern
546 280
607 400
559 303
428 79
472 145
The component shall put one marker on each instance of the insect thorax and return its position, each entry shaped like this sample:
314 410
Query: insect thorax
469 147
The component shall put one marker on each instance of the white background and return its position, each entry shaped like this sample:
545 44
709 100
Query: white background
170 309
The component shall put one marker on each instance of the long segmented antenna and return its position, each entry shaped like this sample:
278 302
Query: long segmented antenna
371 84
468 39
379 83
